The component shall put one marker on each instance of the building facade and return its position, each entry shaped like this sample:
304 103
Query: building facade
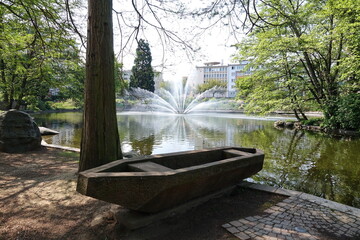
225 73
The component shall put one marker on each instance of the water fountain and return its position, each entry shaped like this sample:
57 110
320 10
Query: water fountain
179 100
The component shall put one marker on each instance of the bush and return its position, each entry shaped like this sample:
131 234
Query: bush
347 113
36 104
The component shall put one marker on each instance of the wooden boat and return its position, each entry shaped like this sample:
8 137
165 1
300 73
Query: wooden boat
158 182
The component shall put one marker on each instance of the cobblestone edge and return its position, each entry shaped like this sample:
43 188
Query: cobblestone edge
311 198
299 216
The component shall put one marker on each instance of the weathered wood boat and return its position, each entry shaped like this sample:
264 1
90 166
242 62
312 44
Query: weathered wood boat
158 182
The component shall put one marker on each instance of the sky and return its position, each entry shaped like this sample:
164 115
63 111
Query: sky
170 57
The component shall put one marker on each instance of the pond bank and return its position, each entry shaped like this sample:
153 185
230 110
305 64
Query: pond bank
280 124
54 111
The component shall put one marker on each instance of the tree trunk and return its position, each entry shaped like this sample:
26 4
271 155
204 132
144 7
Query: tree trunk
3 80
296 115
22 89
100 142
2 65
304 117
11 91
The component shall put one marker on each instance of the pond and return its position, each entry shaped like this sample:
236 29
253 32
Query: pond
310 162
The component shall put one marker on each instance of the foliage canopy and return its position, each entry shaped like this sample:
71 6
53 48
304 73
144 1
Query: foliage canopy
210 84
37 53
305 55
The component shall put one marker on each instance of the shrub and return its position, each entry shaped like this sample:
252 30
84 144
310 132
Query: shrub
347 113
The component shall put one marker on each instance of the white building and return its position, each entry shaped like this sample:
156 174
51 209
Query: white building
126 75
226 73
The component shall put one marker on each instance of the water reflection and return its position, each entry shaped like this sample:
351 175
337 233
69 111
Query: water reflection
304 161
68 124
311 163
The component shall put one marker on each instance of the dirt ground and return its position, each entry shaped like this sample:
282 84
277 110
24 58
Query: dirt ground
38 201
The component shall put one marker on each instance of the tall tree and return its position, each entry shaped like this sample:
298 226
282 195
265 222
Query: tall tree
37 51
142 71
299 48
100 142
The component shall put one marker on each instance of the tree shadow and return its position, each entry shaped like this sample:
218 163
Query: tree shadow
205 221
39 201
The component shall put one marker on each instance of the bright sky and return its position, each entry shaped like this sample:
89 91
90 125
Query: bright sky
169 56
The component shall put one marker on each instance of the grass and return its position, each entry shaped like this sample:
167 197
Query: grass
68 104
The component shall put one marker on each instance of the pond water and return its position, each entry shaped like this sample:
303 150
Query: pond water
304 161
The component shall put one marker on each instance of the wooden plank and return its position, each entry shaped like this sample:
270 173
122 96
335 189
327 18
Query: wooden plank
149 167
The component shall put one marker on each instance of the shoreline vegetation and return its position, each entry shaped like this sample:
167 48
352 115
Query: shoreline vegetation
315 125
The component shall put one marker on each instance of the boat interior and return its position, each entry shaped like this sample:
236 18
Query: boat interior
169 162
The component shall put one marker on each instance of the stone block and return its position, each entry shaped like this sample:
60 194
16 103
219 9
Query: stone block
18 132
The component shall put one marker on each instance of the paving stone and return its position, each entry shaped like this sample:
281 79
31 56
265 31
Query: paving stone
242 236
353 225
226 225
242 228
282 204
343 228
271 238
260 225
276 208
251 234
302 211
258 238
233 230
236 223
277 225
352 233
270 210
251 219
244 221
288 202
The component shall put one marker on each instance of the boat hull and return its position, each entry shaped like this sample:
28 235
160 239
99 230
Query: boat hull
158 182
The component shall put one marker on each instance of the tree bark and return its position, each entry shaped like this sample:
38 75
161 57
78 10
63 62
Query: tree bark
100 141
